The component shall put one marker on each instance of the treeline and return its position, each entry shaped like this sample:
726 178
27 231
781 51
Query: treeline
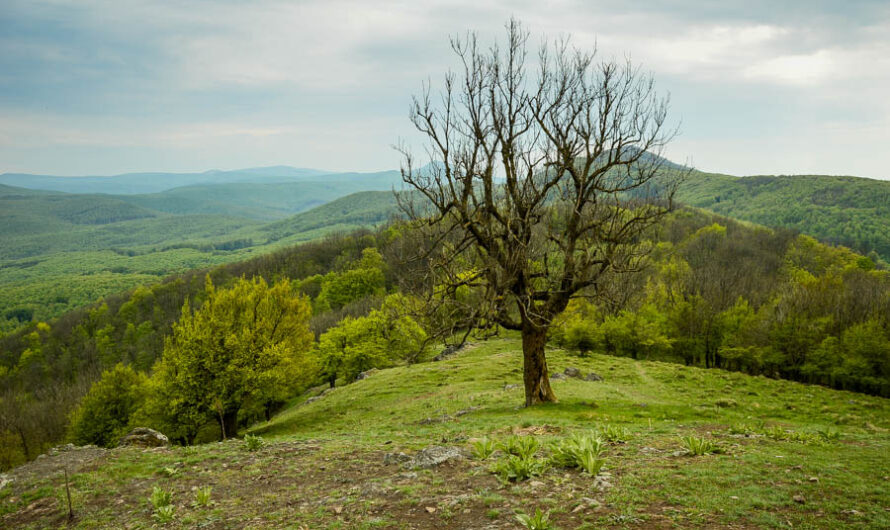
46 368
849 211
725 295
202 354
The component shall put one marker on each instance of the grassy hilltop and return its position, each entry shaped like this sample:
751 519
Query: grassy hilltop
788 454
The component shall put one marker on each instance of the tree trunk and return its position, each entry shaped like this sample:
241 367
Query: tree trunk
535 374
231 423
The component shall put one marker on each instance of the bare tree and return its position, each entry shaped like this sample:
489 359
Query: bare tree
541 182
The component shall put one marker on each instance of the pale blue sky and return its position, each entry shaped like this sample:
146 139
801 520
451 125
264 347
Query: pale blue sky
103 87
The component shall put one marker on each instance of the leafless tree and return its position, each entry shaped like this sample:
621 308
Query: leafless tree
540 182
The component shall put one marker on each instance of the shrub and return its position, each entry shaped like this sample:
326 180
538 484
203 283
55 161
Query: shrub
253 443
104 414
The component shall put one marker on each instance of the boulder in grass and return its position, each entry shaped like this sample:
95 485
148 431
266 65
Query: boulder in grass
144 437
572 372
593 377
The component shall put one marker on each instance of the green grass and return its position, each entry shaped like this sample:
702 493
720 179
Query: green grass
322 464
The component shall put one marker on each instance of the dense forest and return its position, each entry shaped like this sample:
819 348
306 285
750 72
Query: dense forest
56 258
848 211
714 293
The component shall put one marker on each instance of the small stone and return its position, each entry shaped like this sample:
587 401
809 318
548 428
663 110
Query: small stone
337 509
593 377
578 508
734 497
536 484
430 509
571 371
813 479
799 499
395 458
510 386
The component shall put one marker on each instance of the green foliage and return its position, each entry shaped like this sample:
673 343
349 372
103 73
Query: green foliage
845 211
160 497
697 446
521 446
202 496
253 443
164 514
104 414
340 288
513 468
578 451
613 433
539 521
483 448
380 339
246 348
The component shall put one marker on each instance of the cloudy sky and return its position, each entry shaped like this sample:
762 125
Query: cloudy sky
92 87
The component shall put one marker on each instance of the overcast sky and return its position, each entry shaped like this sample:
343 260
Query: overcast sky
93 87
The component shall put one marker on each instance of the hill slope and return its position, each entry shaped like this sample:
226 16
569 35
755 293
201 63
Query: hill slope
50 264
848 211
325 464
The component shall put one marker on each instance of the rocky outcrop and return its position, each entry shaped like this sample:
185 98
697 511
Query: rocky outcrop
144 437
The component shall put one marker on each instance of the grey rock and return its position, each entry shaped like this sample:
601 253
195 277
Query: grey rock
510 386
557 376
366 374
312 400
433 456
144 437
449 350
395 458
593 377
571 371
5 480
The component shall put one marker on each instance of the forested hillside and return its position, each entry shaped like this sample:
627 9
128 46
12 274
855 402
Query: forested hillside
849 211
59 251
715 293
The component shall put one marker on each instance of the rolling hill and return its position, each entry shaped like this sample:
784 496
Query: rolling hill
57 255
785 454
849 211
132 183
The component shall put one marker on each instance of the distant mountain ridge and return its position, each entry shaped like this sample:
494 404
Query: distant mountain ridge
155 182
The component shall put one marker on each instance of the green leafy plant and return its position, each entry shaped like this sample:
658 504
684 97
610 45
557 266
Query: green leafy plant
696 446
613 433
515 468
160 497
576 450
483 448
539 521
253 443
202 496
164 514
829 434
169 471
521 446
590 463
